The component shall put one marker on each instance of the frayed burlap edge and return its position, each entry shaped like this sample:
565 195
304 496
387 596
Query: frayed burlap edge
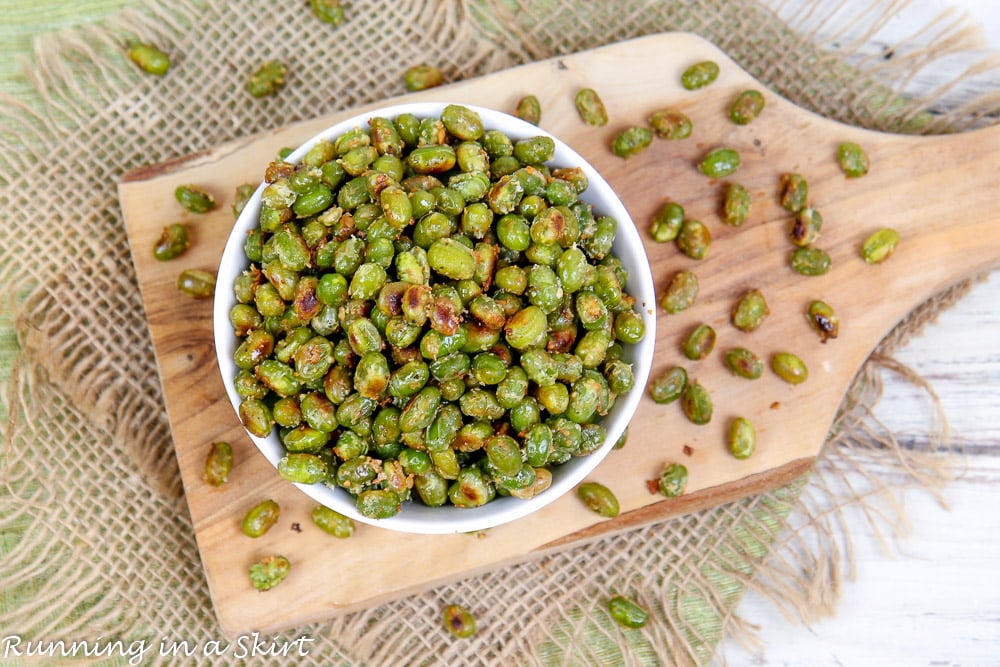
799 564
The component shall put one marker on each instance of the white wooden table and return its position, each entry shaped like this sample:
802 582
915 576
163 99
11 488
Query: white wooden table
933 599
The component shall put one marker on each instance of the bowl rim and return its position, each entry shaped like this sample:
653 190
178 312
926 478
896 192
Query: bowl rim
415 517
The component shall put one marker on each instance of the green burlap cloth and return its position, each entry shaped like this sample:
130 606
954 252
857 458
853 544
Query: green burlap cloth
96 546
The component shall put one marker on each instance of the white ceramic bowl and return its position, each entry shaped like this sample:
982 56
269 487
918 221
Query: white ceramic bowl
414 516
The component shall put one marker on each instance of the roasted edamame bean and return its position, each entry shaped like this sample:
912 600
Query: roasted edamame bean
879 246
458 621
218 464
599 498
260 518
195 199
853 159
673 480
269 571
148 57
172 242
590 107
267 79
700 74
627 612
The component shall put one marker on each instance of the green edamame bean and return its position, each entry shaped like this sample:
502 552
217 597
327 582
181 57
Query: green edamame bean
302 468
629 327
699 343
700 75
355 413
553 397
337 384
591 311
497 144
504 454
879 246
458 621
823 319
810 261
599 498
736 205
789 368
534 150
631 141
853 159
590 107
488 368
256 417
420 410
746 107
268 572
529 109
328 11
218 464
241 196
680 293
305 438
408 379
196 283
462 122
267 79
422 77
332 522
260 518
598 245
697 403
584 399
673 480
719 163
358 473
371 375
694 239
671 124
432 488
513 388
452 259
450 366
172 242
742 438
667 222
592 347
526 328
471 488
805 226
619 375
575 176
378 503
543 480
627 612
287 412
481 404
622 440
148 57
744 363
350 446
794 191
432 159
669 386
750 311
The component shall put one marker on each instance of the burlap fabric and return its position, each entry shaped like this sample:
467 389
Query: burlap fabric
95 541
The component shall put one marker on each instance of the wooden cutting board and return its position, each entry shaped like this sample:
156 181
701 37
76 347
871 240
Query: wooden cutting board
938 192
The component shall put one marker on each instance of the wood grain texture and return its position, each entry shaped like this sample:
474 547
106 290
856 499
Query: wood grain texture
935 191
